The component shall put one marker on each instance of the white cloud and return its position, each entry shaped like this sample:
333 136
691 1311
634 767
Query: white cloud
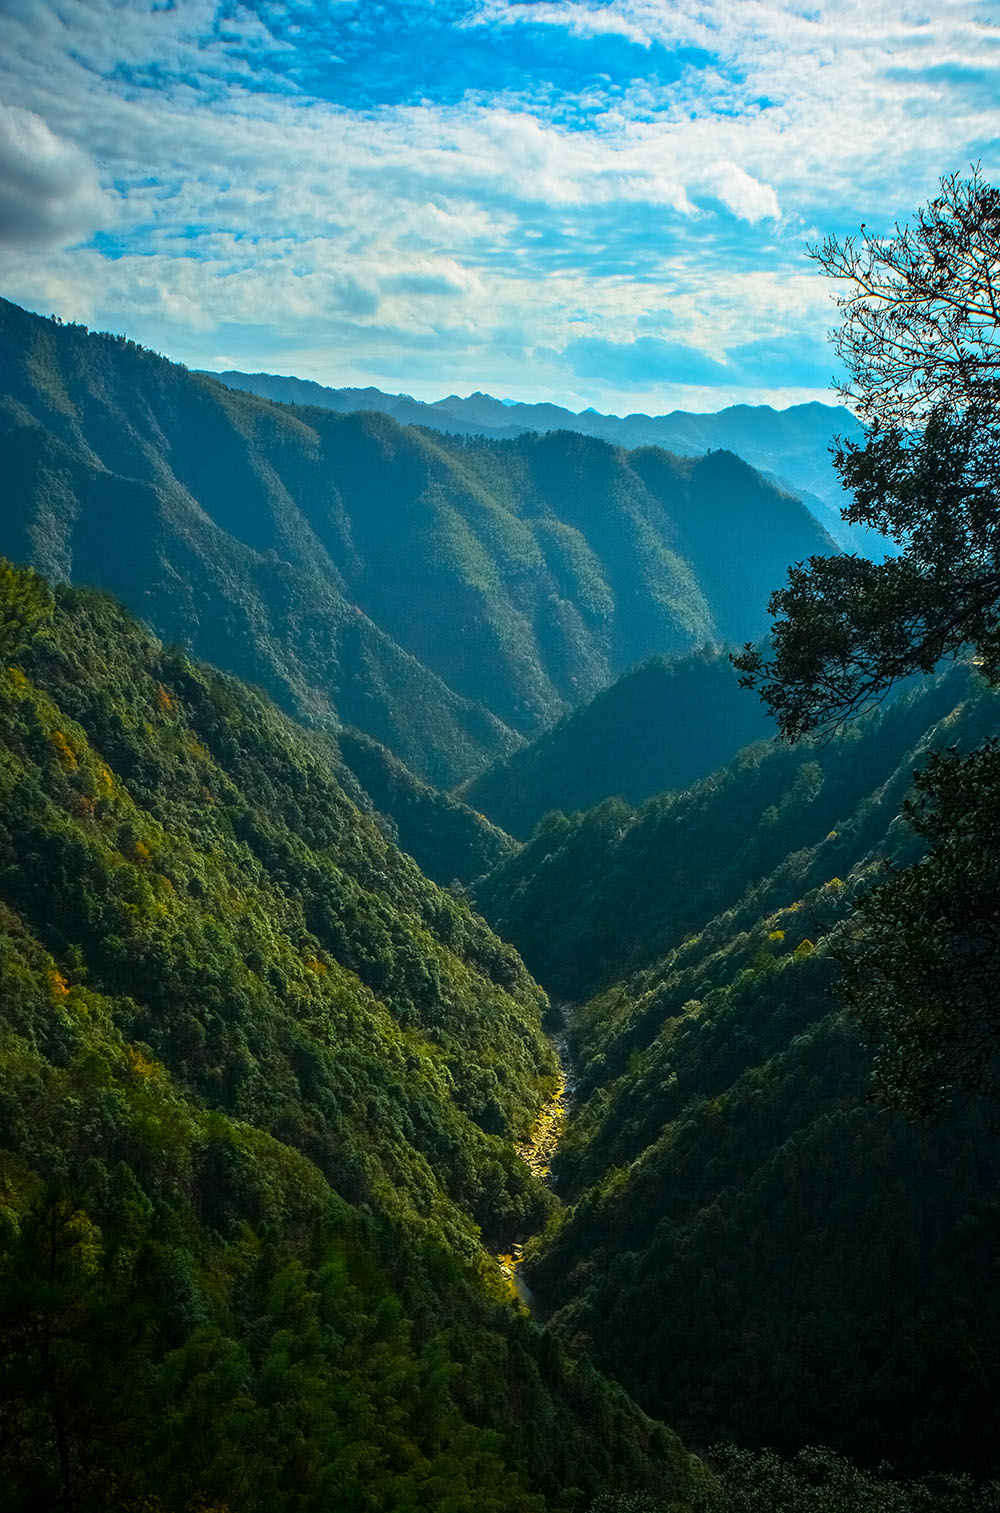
461 237
741 193
581 20
49 192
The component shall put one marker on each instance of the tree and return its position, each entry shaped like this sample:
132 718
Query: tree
25 608
921 330
924 981
920 338
921 343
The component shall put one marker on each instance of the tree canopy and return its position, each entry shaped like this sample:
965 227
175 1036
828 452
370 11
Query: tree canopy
921 328
925 981
920 338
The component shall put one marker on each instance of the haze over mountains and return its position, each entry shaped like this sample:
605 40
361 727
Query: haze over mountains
447 595
790 446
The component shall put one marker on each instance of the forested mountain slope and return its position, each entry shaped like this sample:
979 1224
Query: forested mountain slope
450 842
792 445
258 1080
213 516
663 725
599 894
444 595
752 1245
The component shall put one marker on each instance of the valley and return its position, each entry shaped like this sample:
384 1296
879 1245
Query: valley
537 1153
422 1081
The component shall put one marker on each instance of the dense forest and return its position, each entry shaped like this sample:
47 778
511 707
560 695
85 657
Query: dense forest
836 1265
790 446
592 896
662 725
260 1081
262 1084
447 596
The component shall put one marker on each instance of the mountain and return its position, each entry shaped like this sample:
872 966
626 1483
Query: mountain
750 1244
450 842
273 1103
259 1084
597 895
446 596
791 447
124 470
662 725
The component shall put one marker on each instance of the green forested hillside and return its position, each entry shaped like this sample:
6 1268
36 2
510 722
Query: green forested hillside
258 1080
215 518
792 444
444 595
662 725
754 1247
270 1097
596 895
450 842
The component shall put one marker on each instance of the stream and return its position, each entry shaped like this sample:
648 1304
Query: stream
537 1152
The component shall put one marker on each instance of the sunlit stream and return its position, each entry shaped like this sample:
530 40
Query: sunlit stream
537 1153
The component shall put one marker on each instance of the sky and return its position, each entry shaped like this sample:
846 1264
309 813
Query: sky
602 203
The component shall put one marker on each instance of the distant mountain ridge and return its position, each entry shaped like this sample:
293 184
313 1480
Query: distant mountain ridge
790 446
448 596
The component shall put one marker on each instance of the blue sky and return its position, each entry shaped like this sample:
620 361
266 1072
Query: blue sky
597 202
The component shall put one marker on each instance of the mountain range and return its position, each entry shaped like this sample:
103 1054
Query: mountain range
448 596
792 447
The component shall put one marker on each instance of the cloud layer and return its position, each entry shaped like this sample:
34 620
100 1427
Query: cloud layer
599 203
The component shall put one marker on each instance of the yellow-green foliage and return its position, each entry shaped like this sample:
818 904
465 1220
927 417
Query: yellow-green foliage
25 608
260 1083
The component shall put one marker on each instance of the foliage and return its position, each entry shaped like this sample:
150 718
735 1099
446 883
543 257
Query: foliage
258 1083
450 842
847 629
921 326
596 895
663 725
921 342
25 608
753 1250
924 966
921 339
818 1481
